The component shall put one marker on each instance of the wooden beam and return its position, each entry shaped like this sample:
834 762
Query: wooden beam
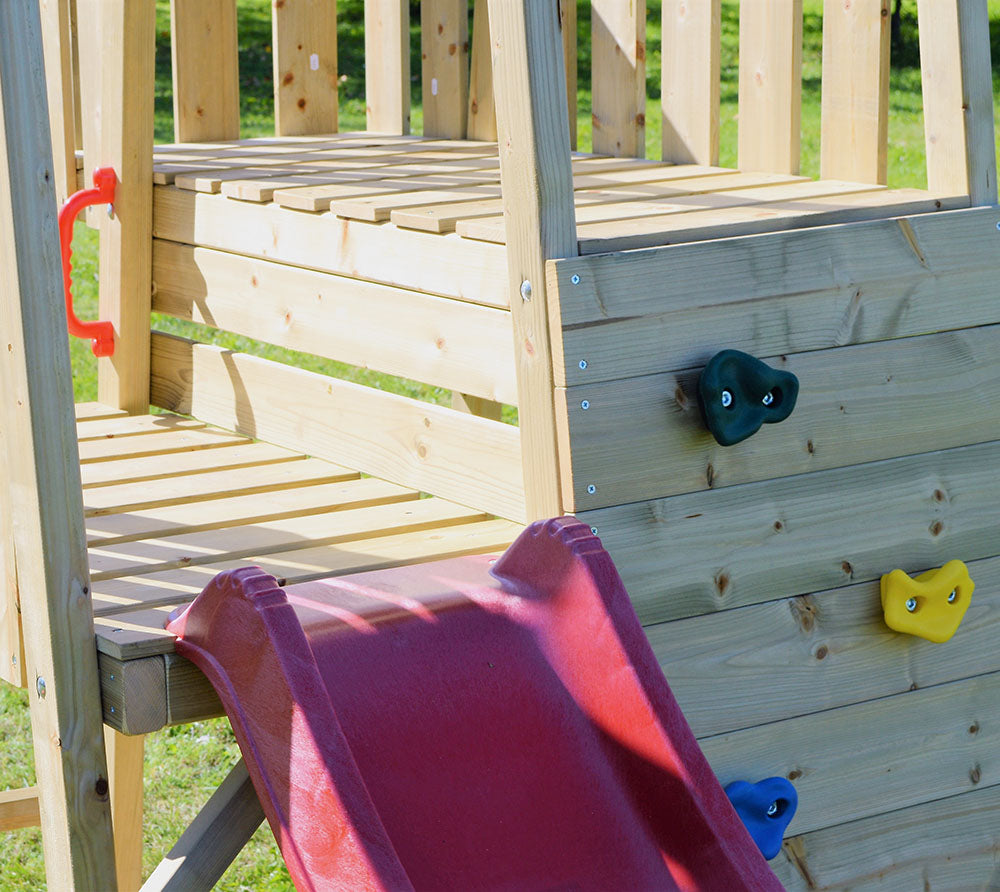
482 108
538 205
567 27
770 91
126 787
618 36
57 43
203 49
12 662
387 65
19 809
44 479
444 41
689 96
854 136
956 74
305 66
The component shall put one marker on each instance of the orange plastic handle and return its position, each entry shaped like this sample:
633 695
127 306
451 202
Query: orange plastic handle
101 333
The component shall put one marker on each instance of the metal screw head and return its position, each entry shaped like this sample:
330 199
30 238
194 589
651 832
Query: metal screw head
911 605
526 290
953 596
583 363
40 687
591 489
575 279
727 399
998 225
768 398
772 809
585 404
593 530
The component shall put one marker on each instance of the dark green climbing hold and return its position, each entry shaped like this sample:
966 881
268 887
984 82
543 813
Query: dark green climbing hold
738 393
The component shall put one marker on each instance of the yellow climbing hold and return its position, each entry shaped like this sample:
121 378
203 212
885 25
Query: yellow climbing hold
930 606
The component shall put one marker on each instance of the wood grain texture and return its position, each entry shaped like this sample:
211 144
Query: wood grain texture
689 95
708 551
19 809
444 45
538 207
387 65
618 37
133 694
125 756
12 659
304 35
442 342
44 479
58 48
770 89
567 28
770 295
203 50
482 109
854 135
431 448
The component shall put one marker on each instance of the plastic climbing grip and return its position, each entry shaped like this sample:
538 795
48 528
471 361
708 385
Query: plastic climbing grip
766 809
738 393
102 334
930 606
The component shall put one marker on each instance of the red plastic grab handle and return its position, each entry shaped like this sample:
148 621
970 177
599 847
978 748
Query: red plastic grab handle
102 333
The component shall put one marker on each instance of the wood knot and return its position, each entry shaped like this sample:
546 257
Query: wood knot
452 49
680 397
804 612
848 568
101 787
722 581
710 475
288 78
939 495
810 448
936 528
976 774
778 526
974 728
822 651
794 774
301 103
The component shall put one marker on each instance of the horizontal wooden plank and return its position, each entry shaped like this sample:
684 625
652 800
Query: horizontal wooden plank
149 443
458 456
158 467
190 489
870 758
423 262
702 552
948 844
108 428
85 411
440 341
777 660
19 809
856 404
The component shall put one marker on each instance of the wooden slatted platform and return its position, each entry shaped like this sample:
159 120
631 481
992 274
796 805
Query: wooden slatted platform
444 186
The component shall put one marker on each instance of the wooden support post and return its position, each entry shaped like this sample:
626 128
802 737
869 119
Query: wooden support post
44 475
482 108
19 809
305 67
126 787
11 635
689 97
444 41
958 98
57 41
203 50
476 405
618 35
567 25
387 65
529 80
855 107
770 85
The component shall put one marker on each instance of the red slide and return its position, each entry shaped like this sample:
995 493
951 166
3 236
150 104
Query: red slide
466 725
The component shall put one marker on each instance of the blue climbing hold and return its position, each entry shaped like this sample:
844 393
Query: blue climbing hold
765 808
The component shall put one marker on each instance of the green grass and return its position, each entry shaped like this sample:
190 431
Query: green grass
184 764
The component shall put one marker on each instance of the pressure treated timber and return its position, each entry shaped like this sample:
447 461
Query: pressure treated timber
133 694
58 50
387 65
442 342
856 404
482 116
457 456
203 55
447 266
568 32
305 67
854 134
444 46
869 758
631 314
708 551
753 665
689 94
950 843
19 809
618 41
125 762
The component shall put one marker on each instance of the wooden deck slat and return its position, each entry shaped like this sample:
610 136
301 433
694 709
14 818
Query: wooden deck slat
132 425
94 411
159 443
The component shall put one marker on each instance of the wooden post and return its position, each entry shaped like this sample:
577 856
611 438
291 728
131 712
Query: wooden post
770 85
57 41
44 475
618 35
305 66
537 183
203 50
125 756
567 25
444 41
958 98
387 65
855 106
11 635
482 108
689 97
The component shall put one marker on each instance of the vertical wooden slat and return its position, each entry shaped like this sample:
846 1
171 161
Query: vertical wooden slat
304 44
203 50
124 56
75 54
89 62
387 65
57 41
689 94
567 23
770 91
125 756
444 42
537 183
11 636
855 106
618 38
482 109
958 98
44 479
